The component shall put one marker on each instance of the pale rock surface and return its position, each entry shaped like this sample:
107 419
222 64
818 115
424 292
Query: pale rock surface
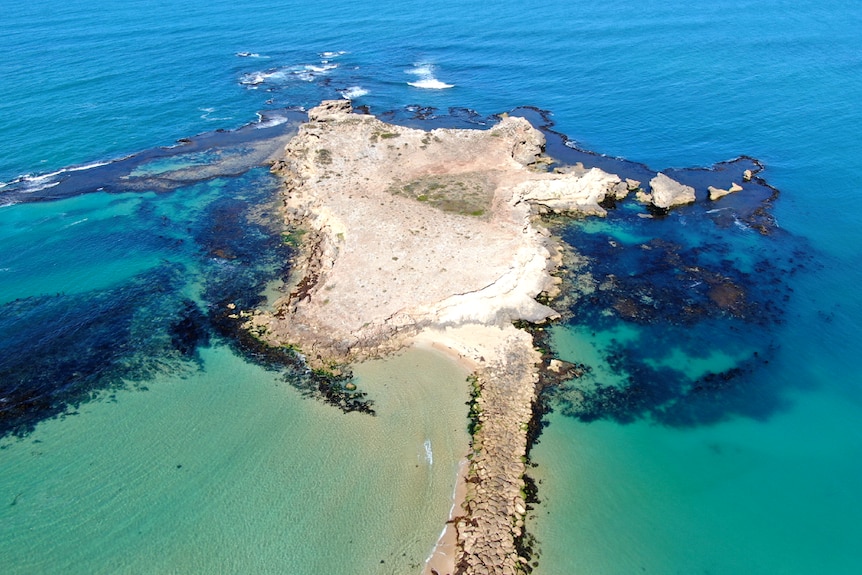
667 193
379 266
717 193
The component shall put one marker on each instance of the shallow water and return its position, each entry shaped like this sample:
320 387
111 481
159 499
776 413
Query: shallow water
740 497
228 469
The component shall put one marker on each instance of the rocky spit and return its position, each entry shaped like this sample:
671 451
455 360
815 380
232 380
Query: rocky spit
434 238
495 505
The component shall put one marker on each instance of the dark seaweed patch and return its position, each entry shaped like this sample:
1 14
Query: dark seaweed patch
62 350
333 387
670 397
696 282
190 331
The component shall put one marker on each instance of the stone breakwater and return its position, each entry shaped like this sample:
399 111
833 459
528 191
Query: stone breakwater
495 506
410 236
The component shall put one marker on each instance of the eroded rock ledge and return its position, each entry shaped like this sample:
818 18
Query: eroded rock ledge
409 236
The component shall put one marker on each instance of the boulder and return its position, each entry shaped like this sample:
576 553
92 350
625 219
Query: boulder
330 110
667 193
716 193
529 142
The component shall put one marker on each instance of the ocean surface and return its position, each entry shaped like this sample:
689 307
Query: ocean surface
716 428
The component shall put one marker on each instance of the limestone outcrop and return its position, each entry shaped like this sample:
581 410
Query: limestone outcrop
406 229
583 192
667 193
717 193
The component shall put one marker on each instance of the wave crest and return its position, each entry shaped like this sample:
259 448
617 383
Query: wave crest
427 80
353 92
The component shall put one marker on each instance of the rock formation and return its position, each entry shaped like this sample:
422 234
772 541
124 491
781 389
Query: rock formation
716 193
406 229
411 236
667 193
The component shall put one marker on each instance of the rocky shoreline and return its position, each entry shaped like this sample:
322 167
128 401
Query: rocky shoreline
409 236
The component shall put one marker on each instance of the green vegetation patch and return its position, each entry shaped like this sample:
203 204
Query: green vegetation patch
293 237
378 135
468 194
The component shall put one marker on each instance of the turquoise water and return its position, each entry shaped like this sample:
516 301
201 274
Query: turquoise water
669 85
225 470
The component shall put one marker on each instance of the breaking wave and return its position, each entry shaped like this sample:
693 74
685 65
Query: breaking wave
431 84
29 183
284 74
353 92
427 80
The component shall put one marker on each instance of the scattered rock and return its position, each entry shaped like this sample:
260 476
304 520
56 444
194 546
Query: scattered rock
716 193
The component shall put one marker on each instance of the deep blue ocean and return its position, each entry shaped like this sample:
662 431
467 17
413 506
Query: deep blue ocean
139 437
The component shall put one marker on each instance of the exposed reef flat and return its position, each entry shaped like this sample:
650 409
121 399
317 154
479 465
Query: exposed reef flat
434 237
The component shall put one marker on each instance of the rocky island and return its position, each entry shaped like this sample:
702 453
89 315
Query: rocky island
413 237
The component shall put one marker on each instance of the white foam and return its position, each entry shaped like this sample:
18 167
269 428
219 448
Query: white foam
252 79
310 72
31 188
353 92
270 121
249 55
260 77
206 115
741 225
427 80
29 183
305 72
430 84
422 70
80 168
320 69
330 55
429 455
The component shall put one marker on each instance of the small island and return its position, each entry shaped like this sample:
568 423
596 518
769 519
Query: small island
434 238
